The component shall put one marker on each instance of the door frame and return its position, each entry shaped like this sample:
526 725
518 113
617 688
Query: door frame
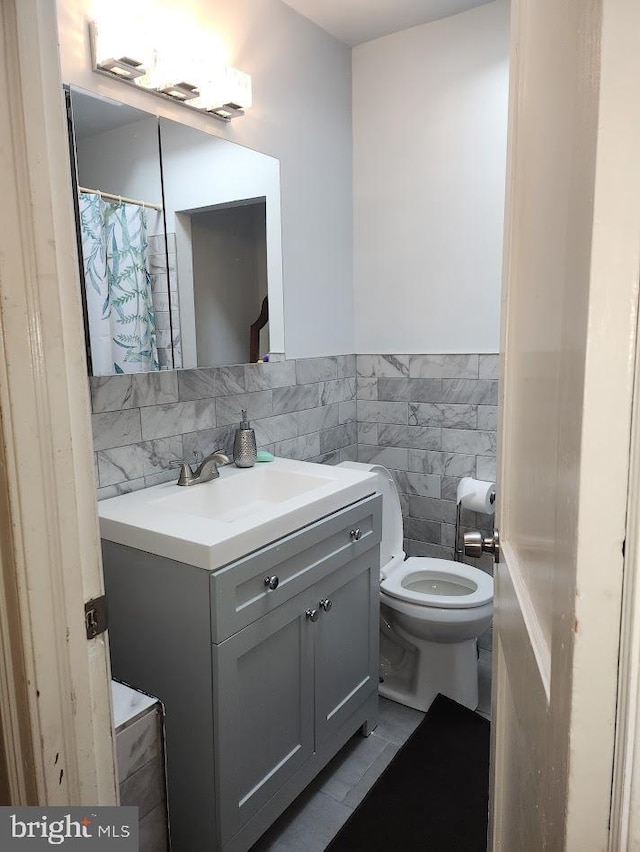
56 740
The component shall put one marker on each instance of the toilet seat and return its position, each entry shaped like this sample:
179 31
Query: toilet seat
460 586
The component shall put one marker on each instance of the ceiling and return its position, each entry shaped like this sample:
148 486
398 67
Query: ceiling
356 21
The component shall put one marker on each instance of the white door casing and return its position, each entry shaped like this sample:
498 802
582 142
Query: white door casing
570 293
625 816
54 684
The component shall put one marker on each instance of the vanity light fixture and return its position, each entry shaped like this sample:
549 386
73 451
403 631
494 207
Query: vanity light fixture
117 52
222 92
226 96
227 111
181 92
125 68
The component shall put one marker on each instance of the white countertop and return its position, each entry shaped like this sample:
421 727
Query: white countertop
214 523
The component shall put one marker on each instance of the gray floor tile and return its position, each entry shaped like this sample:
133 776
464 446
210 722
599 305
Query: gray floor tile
317 815
309 825
350 766
396 722
360 790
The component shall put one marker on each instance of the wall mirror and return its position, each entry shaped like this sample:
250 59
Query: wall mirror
179 234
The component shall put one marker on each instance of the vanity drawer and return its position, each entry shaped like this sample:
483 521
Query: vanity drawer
240 593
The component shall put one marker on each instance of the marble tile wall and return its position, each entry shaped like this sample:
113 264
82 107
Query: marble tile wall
302 409
140 759
164 290
431 419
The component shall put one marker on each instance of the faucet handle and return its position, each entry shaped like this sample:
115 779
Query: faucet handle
185 471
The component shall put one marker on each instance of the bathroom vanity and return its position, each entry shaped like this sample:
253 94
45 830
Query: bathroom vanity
262 644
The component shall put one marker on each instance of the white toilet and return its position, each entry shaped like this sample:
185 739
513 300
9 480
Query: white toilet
432 612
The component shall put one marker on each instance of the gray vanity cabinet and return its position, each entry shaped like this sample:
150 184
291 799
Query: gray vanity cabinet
262 681
263 678
346 658
289 682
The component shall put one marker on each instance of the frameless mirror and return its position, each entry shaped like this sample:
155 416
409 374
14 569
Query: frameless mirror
180 240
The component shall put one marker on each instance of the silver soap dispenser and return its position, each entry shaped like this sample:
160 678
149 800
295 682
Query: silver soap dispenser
244 445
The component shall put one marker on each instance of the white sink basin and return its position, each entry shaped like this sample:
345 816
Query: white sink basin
212 524
241 496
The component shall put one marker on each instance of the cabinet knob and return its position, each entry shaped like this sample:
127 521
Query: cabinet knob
356 534
271 582
326 604
312 614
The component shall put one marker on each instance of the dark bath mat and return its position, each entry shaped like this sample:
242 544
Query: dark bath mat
433 796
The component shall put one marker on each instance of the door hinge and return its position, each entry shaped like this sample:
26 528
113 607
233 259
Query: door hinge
95 616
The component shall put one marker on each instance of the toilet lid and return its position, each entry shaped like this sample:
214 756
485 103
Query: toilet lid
439 583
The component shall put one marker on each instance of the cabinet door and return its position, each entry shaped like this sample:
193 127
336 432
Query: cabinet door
263 711
346 642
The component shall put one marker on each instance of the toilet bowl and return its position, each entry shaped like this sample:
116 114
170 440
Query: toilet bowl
432 612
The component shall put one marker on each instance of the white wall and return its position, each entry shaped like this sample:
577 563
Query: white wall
429 127
123 161
302 116
226 276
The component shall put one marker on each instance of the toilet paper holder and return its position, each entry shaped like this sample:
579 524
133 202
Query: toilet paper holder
474 542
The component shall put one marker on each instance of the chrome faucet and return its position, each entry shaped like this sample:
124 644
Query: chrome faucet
206 470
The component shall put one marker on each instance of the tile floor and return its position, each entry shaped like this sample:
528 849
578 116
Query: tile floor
317 815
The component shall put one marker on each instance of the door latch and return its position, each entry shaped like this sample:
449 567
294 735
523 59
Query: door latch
95 616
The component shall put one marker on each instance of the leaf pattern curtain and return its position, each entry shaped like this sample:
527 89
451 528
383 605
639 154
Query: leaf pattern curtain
122 328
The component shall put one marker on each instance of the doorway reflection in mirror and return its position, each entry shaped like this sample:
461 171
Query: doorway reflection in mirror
213 255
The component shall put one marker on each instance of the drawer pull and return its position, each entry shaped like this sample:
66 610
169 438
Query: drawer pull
326 604
356 534
312 614
271 582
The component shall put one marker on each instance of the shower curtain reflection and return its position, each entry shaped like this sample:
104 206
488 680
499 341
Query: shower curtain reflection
122 327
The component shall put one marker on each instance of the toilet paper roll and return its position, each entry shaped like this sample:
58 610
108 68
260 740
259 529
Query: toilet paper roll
477 495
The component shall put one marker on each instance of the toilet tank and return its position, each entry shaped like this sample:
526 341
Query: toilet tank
391 550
